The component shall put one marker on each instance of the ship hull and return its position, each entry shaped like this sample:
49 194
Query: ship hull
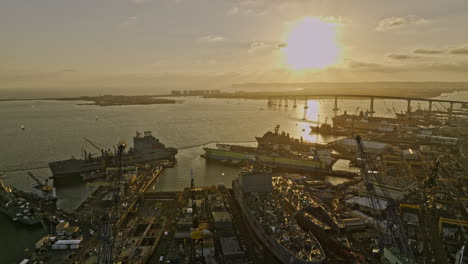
279 251
328 131
77 166
275 161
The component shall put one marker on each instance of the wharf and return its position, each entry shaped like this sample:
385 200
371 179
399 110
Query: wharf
87 218
102 203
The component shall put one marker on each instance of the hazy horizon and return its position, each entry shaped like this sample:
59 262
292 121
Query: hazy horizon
378 87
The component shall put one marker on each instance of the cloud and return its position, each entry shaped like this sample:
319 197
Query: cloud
140 2
236 10
264 46
233 11
363 66
396 56
211 39
460 51
391 23
428 51
337 20
254 7
129 21
258 46
460 66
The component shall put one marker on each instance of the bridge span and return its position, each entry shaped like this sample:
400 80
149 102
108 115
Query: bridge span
284 99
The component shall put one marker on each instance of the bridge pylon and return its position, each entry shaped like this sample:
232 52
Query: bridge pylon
372 107
335 106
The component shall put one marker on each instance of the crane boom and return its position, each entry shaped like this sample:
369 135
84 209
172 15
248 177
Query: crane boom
35 178
6 188
93 144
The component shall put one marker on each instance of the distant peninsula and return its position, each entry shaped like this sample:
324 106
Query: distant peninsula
118 100
110 100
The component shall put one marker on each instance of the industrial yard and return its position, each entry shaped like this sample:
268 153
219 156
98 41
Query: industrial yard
402 199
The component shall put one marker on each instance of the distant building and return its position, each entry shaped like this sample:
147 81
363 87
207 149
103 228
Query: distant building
176 93
194 92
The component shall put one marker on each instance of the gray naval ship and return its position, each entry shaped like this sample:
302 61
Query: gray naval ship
145 148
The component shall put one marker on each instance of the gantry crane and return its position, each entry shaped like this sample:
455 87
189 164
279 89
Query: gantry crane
106 232
393 233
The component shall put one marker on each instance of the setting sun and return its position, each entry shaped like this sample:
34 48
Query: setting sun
311 44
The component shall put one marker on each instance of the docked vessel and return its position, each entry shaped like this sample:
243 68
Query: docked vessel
17 208
276 150
363 122
276 140
326 129
271 224
145 148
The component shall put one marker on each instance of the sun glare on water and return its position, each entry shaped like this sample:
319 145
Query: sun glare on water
311 44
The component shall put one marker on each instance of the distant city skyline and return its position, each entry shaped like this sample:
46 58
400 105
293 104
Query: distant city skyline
181 44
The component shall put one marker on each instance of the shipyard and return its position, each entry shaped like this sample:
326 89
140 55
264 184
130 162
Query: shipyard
400 198
233 132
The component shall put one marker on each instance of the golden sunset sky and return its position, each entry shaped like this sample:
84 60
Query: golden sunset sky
215 43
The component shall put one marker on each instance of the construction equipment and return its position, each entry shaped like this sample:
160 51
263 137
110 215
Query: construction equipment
393 235
6 188
106 232
47 190
456 222
411 206
459 256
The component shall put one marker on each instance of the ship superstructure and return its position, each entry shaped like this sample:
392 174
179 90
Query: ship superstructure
277 150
